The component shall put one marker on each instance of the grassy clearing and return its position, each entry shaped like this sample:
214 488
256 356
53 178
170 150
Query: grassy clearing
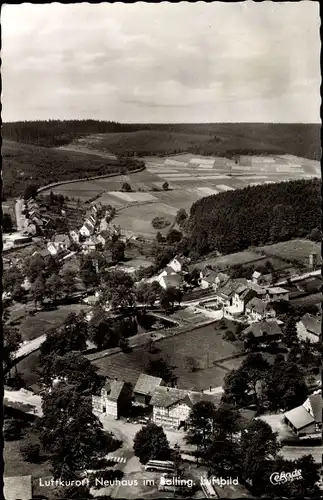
293 250
205 345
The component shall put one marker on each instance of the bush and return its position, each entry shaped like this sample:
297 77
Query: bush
229 335
12 429
159 223
126 187
165 186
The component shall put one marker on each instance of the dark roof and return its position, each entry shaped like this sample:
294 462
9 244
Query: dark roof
299 417
276 289
232 285
167 396
257 305
18 488
88 226
164 397
44 253
146 384
114 389
105 234
263 328
316 402
312 324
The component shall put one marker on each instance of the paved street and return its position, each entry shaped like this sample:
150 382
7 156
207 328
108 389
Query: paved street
30 346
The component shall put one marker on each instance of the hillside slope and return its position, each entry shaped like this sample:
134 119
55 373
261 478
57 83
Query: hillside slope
218 139
257 215
25 164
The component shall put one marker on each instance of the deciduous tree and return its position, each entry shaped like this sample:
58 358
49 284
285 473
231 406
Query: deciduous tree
150 443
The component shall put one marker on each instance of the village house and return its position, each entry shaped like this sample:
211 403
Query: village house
306 420
177 264
257 310
212 279
89 244
87 229
172 406
263 331
104 237
172 280
309 328
62 241
115 398
31 228
276 293
144 389
225 294
74 235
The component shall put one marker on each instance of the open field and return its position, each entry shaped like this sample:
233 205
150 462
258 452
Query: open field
293 250
190 177
204 344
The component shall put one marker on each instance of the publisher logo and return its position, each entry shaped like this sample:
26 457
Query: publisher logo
285 477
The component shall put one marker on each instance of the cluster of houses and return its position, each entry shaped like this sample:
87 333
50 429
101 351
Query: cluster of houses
173 274
170 407
37 216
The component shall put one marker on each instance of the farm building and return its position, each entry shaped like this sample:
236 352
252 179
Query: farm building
172 406
257 310
263 331
173 280
144 389
75 236
87 229
309 328
115 398
306 420
62 241
104 237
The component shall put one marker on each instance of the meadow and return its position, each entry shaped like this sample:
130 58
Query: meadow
204 344
189 177
298 250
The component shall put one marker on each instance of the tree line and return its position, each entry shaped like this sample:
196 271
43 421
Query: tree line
256 215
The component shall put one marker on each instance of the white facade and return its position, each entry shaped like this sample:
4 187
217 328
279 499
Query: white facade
52 248
175 265
172 416
304 334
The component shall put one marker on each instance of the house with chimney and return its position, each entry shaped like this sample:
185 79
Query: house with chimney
172 406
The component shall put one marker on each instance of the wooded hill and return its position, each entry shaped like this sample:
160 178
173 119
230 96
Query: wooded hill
215 139
256 215
25 164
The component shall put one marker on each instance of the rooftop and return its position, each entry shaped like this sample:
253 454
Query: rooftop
277 289
263 328
164 397
146 384
173 280
299 417
114 389
62 238
316 402
257 305
312 324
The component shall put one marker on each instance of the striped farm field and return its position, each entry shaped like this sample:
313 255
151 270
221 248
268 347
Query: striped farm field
189 177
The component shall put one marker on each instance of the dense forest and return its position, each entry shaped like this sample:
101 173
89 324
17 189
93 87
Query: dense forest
25 164
256 215
216 139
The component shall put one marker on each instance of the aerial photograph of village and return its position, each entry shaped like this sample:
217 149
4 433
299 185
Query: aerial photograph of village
161 251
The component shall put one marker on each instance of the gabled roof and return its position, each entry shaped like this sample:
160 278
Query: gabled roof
164 397
257 305
232 285
263 328
105 234
88 225
18 487
114 389
312 324
146 384
299 417
316 403
179 259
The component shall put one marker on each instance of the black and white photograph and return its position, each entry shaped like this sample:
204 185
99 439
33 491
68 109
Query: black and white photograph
161 250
